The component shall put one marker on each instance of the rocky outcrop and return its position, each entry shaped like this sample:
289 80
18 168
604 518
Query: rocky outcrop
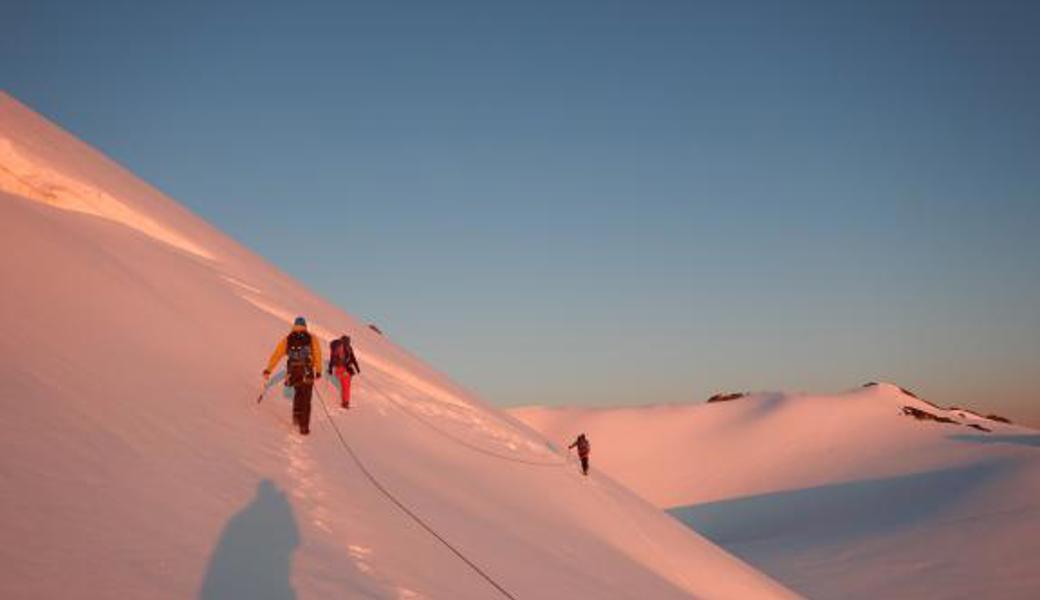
727 397
906 392
909 393
923 415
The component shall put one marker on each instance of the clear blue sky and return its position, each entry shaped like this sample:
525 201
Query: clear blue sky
601 202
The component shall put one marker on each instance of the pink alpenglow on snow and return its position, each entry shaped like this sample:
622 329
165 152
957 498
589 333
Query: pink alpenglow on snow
841 497
137 463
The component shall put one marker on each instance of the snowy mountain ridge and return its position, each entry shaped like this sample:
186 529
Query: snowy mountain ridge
842 496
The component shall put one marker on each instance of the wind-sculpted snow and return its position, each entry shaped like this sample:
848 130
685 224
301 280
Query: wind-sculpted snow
31 178
841 496
137 463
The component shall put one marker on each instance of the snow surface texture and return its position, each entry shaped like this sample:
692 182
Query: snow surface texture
839 497
136 462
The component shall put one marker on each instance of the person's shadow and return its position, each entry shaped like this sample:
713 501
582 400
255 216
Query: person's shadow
253 558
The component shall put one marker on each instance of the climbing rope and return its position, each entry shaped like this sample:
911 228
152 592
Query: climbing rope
403 408
379 486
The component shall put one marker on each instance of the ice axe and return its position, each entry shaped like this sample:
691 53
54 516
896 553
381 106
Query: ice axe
263 389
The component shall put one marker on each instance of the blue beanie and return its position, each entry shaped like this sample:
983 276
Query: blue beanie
300 321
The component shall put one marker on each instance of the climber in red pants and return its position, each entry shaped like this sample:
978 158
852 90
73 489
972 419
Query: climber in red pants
343 363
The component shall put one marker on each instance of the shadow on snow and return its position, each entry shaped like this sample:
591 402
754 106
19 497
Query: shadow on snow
254 555
1018 440
837 512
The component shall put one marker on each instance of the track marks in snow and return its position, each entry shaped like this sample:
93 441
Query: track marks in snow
427 402
403 376
471 424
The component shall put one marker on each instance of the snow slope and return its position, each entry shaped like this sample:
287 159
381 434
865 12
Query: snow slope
136 462
840 496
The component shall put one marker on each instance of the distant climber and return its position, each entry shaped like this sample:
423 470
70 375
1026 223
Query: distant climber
343 363
304 353
584 447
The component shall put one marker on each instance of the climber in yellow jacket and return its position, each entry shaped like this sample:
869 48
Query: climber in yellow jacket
302 368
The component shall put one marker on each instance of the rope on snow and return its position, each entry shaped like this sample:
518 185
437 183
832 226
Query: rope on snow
379 486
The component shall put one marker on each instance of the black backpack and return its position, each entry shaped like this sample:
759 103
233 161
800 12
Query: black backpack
335 359
300 365
341 354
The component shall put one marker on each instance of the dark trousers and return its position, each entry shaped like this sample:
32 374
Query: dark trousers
585 465
301 405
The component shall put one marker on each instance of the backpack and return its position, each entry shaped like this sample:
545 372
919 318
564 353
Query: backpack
340 355
300 364
337 354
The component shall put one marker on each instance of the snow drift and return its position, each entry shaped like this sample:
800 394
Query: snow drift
136 462
841 496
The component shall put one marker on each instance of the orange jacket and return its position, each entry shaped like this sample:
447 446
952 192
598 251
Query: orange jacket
280 349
